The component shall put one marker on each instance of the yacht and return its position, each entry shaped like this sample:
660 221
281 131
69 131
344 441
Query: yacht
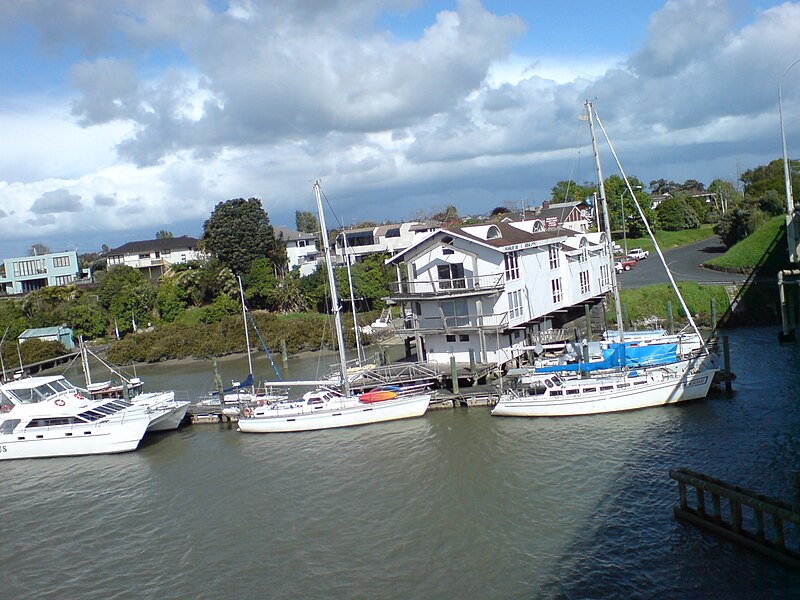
48 416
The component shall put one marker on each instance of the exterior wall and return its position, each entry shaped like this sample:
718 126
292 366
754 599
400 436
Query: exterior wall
383 243
302 253
154 258
28 273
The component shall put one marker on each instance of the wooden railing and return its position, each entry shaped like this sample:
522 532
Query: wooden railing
741 518
424 287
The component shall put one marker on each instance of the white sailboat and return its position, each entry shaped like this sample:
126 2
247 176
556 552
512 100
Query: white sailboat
546 394
326 408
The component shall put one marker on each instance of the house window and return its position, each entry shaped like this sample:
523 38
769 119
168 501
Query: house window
512 265
584 257
447 251
585 285
555 287
554 256
604 279
456 313
451 276
63 280
61 261
29 267
463 338
141 256
301 243
515 304
450 337
157 254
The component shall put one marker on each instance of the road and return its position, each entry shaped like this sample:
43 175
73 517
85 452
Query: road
684 262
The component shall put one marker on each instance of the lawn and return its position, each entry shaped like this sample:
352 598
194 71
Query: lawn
765 247
669 239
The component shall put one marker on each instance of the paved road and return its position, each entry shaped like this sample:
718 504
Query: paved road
684 262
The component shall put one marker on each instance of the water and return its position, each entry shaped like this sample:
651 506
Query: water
456 504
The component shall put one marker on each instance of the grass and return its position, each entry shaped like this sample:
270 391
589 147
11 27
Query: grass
765 247
646 307
669 239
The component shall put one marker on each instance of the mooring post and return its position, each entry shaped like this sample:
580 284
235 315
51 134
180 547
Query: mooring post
625 321
384 356
454 374
726 357
472 366
588 312
284 353
670 318
713 316
218 385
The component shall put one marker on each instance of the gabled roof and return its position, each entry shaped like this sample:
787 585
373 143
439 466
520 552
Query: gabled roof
44 332
173 243
291 235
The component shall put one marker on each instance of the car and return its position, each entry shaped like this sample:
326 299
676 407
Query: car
624 264
638 254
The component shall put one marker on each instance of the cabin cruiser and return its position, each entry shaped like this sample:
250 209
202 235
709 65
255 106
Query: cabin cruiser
48 416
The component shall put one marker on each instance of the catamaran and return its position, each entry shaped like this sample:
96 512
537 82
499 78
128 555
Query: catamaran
616 385
326 408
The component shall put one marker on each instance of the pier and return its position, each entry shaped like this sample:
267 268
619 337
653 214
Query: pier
741 518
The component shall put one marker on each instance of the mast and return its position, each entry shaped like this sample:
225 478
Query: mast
334 295
246 330
607 224
361 358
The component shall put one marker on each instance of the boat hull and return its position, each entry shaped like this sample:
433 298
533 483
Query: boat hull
362 414
691 386
74 440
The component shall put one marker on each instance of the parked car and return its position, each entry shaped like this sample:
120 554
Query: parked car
638 254
624 264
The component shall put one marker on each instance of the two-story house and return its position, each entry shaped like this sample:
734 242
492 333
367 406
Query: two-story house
24 274
485 291
386 239
301 249
153 257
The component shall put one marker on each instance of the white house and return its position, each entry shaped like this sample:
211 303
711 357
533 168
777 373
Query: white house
487 290
154 256
25 274
387 239
301 249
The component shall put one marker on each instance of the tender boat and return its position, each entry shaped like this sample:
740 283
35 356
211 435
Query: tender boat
48 416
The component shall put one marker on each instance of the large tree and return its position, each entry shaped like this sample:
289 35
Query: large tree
305 222
569 191
677 213
238 232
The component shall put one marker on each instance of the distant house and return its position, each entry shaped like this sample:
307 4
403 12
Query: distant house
25 274
61 333
387 239
153 257
301 249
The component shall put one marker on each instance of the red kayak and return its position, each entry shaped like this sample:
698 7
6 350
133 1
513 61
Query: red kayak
377 396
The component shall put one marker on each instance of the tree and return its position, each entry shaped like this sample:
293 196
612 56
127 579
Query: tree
127 295
163 234
676 213
85 319
662 186
305 222
449 216
569 191
500 210
201 282
38 249
170 300
268 292
727 194
238 232
734 226
759 180
616 194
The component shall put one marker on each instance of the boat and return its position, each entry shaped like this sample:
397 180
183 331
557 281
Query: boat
612 383
166 412
47 416
327 407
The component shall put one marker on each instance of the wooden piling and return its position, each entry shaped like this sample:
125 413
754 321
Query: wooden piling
670 317
713 315
726 354
454 374
284 353
587 312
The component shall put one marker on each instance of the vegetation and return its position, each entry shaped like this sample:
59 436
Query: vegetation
669 239
755 249
646 307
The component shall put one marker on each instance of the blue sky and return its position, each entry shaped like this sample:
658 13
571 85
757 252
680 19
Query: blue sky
121 118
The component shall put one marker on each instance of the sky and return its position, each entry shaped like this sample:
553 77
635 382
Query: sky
121 118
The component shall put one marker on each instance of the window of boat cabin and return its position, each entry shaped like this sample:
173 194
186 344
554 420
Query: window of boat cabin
7 426
5 405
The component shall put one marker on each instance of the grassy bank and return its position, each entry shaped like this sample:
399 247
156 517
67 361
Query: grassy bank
668 239
764 248
646 307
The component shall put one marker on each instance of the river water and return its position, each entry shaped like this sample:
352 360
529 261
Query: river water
456 504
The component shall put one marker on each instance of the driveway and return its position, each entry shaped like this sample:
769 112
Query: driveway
684 262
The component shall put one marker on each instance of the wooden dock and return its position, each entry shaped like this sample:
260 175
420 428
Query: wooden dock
741 518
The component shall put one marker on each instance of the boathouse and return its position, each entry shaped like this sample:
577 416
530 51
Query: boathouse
60 333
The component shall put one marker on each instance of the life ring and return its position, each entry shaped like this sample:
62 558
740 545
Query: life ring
60 402
247 411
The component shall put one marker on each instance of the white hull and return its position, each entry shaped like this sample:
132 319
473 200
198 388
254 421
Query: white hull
74 440
590 400
358 414
165 412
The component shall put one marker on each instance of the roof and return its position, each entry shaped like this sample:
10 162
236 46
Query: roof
291 234
44 331
161 244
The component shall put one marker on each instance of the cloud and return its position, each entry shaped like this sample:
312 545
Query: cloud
108 200
57 201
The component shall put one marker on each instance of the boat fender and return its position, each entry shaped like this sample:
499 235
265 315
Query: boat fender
247 411
60 402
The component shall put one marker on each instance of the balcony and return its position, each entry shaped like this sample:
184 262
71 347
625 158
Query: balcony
466 286
454 324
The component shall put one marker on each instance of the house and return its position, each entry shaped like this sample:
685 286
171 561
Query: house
484 292
61 333
386 239
301 249
153 257
25 274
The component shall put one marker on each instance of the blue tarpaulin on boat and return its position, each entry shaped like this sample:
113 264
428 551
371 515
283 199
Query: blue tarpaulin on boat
619 355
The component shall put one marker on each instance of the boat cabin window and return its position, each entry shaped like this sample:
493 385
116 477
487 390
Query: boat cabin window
312 401
7 426
41 392
556 379
537 388
5 405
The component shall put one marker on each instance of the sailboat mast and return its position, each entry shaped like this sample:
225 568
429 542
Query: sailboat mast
361 358
607 224
334 295
246 328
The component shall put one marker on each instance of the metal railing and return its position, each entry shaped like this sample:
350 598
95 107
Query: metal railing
457 322
422 287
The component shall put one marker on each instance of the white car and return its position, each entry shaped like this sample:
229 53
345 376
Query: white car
638 254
